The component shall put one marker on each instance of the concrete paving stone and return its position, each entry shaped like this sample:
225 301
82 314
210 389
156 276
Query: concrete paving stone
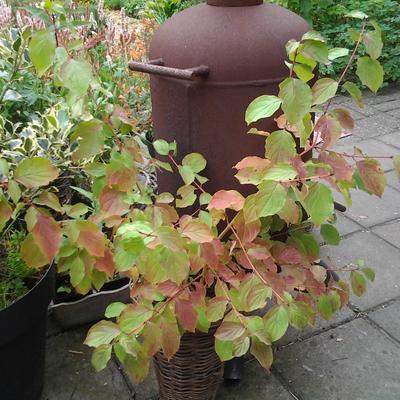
388 317
391 105
388 93
392 139
355 361
393 180
394 113
389 232
257 384
344 225
369 210
376 126
370 147
70 376
293 335
382 257
147 390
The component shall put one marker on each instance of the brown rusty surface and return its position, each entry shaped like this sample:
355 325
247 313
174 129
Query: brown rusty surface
244 47
234 3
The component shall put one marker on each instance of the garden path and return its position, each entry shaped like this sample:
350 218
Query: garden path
353 357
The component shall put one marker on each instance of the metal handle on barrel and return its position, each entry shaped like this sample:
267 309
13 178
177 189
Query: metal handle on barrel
156 67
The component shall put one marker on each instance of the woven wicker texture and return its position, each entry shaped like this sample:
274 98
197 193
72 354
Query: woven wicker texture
194 373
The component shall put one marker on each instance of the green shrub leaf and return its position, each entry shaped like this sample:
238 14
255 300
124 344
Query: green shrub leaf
262 107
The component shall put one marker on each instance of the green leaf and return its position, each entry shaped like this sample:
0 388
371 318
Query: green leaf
280 147
337 52
370 73
114 310
356 14
77 271
195 161
4 168
76 76
104 332
101 356
276 322
268 201
301 315
14 190
328 304
224 349
262 352
373 43
323 90
198 231
187 174
358 283
304 72
161 146
354 92
42 49
280 172
318 203
296 99
330 234
134 316
5 212
262 107
216 308
315 50
90 136
35 172
369 273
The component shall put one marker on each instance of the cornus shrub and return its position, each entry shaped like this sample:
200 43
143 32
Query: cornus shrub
248 264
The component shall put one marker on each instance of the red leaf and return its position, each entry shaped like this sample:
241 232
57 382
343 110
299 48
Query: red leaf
330 130
91 238
170 337
211 252
106 263
121 179
198 231
257 163
372 176
47 235
284 254
186 314
168 288
227 199
112 202
342 170
344 117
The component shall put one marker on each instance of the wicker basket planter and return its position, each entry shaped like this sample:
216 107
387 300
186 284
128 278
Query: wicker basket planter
194 373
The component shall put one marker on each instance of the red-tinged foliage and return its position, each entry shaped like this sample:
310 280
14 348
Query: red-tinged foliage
91 238
106 263
227 199
47 235
186 314
112 202
372 175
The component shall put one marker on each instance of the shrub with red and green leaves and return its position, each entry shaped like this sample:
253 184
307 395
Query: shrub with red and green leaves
249 264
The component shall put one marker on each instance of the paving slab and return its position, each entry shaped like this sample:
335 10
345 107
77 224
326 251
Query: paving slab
372 147
376 125
389 232
390 105
392 139
388 317
388 93
355 361
393 180
70 376
368 210
257 384
294 335
379 255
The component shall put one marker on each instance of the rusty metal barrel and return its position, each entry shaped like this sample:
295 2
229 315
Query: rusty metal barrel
207 64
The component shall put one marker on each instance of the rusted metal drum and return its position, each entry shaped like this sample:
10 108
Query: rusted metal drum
208 63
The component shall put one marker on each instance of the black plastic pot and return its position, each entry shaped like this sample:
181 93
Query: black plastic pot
23 342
